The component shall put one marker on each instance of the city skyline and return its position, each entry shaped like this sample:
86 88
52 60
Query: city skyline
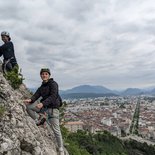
107 43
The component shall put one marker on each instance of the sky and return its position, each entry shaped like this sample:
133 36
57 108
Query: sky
98 42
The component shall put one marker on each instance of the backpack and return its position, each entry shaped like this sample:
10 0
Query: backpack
60 100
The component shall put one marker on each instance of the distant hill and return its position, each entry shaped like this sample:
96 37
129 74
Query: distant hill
98 91
152 91
85 91
88 89
132 91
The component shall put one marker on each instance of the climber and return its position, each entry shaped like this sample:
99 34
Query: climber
49 104
7 50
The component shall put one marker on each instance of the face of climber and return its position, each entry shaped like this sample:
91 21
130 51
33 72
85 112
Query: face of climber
5 38
45 76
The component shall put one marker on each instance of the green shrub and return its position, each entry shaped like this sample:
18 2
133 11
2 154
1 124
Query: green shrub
2 110
13 78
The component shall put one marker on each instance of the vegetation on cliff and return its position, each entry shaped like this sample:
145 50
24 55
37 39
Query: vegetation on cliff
103 143
13 77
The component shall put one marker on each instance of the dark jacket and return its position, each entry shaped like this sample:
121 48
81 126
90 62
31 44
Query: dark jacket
49 93
7 50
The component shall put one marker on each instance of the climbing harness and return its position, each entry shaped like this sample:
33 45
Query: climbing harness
4 66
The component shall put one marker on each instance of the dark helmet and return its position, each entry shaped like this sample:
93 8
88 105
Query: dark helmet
45 70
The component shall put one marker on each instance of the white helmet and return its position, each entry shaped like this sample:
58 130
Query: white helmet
5 33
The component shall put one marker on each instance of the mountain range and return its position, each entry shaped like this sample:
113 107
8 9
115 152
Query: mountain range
84 91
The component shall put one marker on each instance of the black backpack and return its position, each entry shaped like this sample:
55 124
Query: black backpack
59 98
60 101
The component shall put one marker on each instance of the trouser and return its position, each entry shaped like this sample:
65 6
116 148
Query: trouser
8 65
53 119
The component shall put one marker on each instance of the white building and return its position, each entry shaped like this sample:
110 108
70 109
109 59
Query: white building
106 121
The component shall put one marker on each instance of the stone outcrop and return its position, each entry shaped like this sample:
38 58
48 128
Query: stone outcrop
18 133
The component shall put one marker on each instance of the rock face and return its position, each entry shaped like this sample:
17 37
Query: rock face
18 133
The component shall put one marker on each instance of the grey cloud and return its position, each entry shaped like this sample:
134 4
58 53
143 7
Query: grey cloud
75 10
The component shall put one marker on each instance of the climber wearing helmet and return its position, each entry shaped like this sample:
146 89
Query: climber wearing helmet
49 104
7 50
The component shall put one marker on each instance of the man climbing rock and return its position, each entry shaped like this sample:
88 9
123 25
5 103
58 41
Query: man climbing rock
7 50
49 104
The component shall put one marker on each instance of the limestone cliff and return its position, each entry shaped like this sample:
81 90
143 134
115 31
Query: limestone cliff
18 133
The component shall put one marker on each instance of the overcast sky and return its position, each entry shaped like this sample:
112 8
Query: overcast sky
98 42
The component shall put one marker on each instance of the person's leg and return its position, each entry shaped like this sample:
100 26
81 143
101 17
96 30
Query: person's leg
54 123
3 67
8 66
32 109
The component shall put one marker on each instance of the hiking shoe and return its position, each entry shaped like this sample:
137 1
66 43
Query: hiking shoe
41 122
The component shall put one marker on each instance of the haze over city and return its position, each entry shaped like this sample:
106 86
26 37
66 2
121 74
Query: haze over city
105 42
